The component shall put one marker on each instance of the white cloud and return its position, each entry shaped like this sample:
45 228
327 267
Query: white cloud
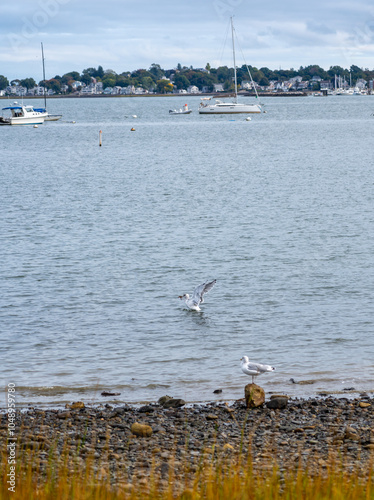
125 35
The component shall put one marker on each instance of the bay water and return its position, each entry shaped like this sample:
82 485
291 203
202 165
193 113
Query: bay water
97 243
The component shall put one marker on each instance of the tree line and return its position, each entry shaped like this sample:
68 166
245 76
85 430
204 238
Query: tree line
156 77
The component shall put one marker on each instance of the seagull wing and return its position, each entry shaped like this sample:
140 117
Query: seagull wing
252 367
197 297
265 368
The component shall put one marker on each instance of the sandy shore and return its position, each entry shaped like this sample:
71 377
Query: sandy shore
308 432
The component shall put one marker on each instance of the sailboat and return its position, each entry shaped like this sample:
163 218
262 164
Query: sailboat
220 107
47 116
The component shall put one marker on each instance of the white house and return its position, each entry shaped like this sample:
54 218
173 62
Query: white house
218 87
130 89
192 89
77 84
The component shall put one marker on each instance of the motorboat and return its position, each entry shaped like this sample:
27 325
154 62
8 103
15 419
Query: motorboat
220 107
22 115
182 111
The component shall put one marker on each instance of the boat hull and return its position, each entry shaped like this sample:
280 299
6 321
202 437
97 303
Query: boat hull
52 118
180 112
221 109
22 121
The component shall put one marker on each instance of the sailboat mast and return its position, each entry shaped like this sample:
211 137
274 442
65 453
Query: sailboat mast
233 53
45 98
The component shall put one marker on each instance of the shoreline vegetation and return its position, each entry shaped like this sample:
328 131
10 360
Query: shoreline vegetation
181 96
318 448
205 79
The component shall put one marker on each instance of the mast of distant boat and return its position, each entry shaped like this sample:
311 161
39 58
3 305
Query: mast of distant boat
233 52
45 97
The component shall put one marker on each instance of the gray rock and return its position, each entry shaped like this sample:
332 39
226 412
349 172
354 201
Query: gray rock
146 409
163 400
277 403
174 403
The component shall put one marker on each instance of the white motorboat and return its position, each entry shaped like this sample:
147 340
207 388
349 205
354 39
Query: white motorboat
183 111
220 107
22 115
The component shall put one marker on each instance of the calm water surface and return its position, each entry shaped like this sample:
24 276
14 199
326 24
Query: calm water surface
98 242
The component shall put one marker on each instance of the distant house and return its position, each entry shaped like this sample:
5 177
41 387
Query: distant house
77 84
296 79
89 89
279 86
130 89
218 87
192 89
108 90
326 85
297 83
246 85
39 90
361 83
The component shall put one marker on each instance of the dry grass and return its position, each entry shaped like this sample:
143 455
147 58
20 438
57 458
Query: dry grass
61 477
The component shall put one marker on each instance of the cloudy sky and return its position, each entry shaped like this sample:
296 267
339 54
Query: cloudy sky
127 35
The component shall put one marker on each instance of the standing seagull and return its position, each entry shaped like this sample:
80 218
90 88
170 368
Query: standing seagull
197 297
254 369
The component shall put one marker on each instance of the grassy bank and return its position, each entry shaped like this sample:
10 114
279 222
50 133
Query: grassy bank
224 478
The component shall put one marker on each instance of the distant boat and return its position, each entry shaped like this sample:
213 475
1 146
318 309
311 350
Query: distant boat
184 111
47 116
22 115
220 107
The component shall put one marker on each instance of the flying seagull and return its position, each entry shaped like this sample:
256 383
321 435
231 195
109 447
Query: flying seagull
197 296
254 369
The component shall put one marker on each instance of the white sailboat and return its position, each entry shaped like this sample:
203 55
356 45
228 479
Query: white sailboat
220 107
47 116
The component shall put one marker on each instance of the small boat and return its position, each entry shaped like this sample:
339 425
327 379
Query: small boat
184 111
22 115
220 107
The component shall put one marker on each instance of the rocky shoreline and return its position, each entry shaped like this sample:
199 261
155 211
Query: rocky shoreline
174 439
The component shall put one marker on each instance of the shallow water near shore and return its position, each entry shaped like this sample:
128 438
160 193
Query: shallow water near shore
98 242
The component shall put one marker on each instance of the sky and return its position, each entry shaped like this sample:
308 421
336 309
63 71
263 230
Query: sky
125 35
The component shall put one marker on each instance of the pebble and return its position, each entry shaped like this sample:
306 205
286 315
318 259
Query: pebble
141 429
